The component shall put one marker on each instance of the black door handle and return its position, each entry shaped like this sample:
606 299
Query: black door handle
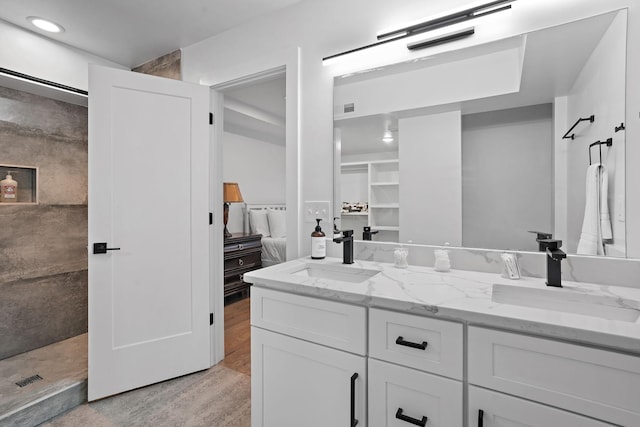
401 341
101 248
411 420
353 422
480 417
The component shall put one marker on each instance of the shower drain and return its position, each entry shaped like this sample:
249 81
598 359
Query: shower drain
30 380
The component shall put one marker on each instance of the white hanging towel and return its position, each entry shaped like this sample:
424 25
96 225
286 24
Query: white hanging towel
596 226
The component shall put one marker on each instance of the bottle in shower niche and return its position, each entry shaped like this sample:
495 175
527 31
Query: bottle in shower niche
8 189
318 243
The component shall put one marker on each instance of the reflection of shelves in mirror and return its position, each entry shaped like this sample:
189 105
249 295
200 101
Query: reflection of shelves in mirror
385 206
27 179
354 167
379 182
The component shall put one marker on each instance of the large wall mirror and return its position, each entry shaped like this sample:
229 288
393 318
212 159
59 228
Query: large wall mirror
467 148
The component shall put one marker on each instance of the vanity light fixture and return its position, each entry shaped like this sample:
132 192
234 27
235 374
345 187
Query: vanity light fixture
45 24
446 20
444 38
423 26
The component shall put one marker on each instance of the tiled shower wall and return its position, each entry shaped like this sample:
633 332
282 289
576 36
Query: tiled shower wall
43 256
167 66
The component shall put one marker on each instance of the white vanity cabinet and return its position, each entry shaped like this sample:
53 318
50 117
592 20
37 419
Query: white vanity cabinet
307 361
596 383
492 409
322 363
405 351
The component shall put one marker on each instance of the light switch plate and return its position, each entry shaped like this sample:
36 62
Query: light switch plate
314 210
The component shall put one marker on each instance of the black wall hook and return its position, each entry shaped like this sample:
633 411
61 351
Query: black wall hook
619 128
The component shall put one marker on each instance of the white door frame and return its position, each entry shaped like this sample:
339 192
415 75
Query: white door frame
216 263
290 64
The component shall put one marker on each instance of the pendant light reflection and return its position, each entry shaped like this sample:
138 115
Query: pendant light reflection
387 137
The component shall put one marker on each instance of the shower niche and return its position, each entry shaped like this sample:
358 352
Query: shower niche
26 184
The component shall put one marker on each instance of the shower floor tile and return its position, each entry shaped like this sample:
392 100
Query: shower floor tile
60 366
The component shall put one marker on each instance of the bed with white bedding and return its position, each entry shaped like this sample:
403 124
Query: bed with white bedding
268 220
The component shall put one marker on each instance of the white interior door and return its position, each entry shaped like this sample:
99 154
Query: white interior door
148 197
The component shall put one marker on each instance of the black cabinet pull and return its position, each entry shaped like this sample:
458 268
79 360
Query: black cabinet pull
410 420
480 417
353 421
401 341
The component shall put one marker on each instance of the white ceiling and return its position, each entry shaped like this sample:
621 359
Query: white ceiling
131 32
257 110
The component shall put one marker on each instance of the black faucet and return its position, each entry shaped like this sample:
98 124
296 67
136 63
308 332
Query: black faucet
367 233
542 235
554 260
347 246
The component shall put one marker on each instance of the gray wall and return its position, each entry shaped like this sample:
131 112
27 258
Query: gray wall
43 257
507 175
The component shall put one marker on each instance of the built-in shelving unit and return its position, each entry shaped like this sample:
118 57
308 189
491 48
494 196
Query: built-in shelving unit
27 179
380 182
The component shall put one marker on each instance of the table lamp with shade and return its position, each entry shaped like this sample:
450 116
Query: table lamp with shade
231 194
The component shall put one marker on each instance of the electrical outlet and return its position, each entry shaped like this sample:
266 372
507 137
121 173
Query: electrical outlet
315 210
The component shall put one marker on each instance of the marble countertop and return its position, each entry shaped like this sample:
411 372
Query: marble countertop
465 296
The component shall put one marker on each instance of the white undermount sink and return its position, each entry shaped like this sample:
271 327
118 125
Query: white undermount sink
568 301
341 273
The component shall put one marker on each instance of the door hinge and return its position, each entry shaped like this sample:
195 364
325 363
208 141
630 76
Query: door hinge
210 218
211 118
210 318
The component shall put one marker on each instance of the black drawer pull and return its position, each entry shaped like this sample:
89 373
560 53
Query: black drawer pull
410 420
353 422
480 417
401 341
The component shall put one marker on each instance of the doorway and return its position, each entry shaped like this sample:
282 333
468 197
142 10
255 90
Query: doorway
253 147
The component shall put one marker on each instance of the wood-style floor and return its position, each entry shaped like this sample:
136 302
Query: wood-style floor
219 396
237 336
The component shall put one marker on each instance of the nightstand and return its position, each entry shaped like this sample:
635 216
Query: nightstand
242 253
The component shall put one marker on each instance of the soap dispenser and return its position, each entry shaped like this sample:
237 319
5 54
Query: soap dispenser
318 242
8 189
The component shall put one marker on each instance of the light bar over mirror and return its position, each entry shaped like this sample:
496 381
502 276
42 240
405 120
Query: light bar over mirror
430 24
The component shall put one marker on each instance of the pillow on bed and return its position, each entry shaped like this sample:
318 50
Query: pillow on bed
259 222
277 223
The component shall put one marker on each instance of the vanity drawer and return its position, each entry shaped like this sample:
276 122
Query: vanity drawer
597 383
501 410
396 392
396 337
329 323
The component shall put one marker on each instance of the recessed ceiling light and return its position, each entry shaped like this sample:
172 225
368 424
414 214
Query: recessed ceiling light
45 24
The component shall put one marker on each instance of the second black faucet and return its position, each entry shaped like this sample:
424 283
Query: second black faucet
347 245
